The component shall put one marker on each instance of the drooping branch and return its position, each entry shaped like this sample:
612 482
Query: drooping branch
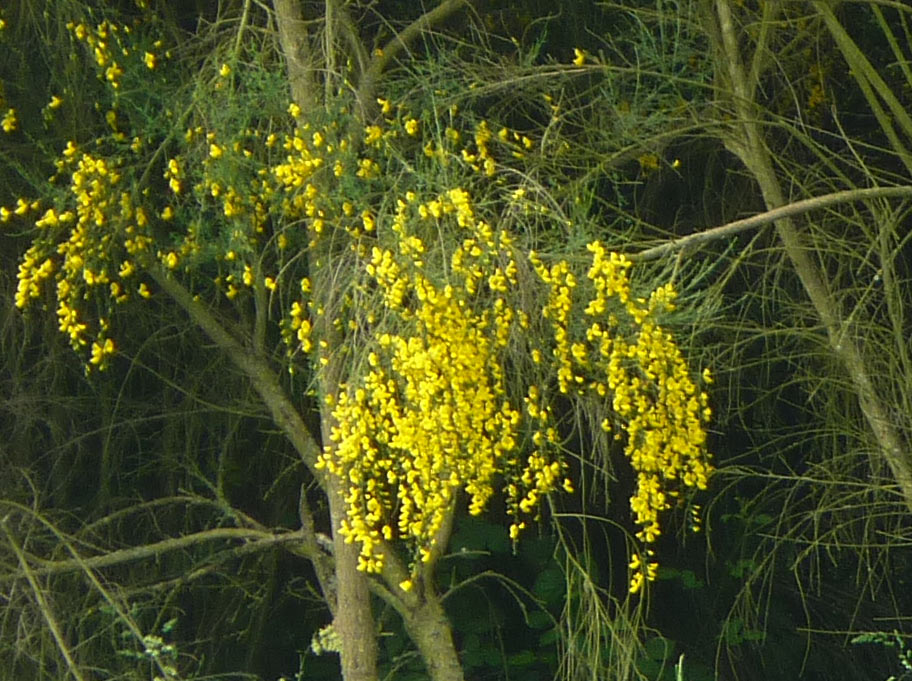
791 210
873 86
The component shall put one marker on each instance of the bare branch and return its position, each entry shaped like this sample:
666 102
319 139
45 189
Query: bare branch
790 210
261 375
43 605
310 548
256 541
367 87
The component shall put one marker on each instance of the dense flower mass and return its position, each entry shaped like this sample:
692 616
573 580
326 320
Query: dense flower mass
626 358
431 415
437 291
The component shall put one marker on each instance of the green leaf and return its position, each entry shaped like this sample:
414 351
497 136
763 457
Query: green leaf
522 659
690 580
659 648
492 656
742 567
549 586
539 620
548 638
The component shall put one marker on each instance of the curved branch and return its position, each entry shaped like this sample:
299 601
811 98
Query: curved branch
366 93
770 216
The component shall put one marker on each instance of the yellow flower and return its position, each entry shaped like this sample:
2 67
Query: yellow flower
411 126
579 57
649 162
373 133
9 121
224 71
101 350
294 110
113 72
215 151
149 60
55 102
49 219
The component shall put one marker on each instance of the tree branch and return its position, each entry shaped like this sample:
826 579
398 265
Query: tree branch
770 216
43 605
366 93
261 375
310 548
256 541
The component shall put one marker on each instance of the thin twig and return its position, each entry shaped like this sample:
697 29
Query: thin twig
43 605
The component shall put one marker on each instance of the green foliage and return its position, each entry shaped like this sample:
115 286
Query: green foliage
894 641
628 110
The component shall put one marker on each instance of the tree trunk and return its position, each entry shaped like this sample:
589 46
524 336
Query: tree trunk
747 143
354 622
429 628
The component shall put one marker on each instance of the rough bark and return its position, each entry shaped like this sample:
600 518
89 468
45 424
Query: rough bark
295 44
430 630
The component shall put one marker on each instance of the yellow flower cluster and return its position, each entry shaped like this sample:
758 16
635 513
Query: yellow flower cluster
106 45
403 442
626 357
9 122
431 414
34 269
174 174
428 419
99 42
81 247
